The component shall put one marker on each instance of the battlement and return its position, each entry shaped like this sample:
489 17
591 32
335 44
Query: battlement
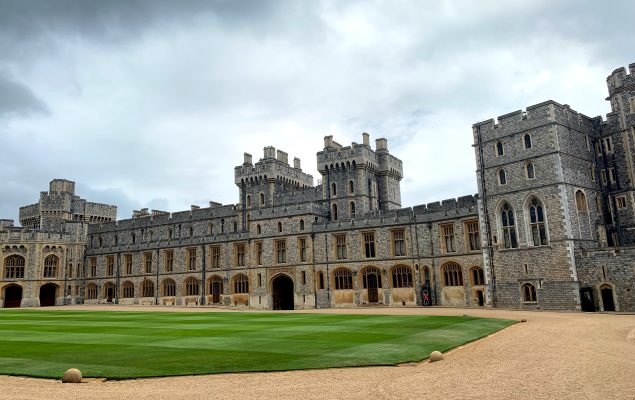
274 166
336 157
533 116
62 185
620 78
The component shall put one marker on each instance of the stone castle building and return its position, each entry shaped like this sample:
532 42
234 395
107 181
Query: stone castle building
552 227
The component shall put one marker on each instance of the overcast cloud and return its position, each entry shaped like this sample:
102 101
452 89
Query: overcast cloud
152 103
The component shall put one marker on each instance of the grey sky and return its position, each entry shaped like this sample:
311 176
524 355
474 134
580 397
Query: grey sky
152 103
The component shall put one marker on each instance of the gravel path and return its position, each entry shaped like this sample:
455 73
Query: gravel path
553 355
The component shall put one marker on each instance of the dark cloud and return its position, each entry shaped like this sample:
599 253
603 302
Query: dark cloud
18 99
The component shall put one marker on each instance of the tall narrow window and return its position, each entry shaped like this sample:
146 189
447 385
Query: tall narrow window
340 247
258 253
473 235
279 227
369 245
478 278
499 148
301 224
191 259
258 229
334 212
447 238
110 265
333 189
509 227
580 201
351 187
527 141
351 210
398 243
302 249
127 259
529 170
248 200
502 177
262 199
239 255
169 260
537 223
92 266
321 279
281 251
147 262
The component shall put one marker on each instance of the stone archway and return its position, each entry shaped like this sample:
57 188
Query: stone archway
282 291
48 293
12 296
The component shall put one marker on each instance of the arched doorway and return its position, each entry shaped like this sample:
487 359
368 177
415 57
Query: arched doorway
109 292
216 288
48 293
607 298
12 296
372 283
481 300
282 293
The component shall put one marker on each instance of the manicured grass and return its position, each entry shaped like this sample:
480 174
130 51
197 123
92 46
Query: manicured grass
123 345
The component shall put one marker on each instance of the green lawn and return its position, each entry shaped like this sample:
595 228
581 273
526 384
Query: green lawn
122 345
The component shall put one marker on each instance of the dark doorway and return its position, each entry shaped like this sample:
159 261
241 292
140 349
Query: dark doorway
282 293
12 296
373 294
216 289
481 300
586 297
47 295
110 293
607 299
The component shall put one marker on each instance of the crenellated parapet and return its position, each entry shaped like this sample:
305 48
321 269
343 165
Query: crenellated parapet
620 79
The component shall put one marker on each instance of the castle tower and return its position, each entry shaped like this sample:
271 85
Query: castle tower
357 180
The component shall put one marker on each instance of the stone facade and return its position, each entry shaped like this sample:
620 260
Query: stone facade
551 228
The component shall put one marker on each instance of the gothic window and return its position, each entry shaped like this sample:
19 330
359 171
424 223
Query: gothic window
473 235
334 212
373 276
147 263
301 224
262 199
447 238
147 289
241 284
127 290
499 148
14 267
302 249
527 141
91 291
258 229
248 200
258 253
529 170
398 243
537 223
340 247
401 277
452 274
239 255
509 227
529 293
580 201
191 287
50 266
351 209
502 177
333 189
279 227
127 261
369 244
343 279
321 280
351 187
478 278
281 251
169 260
169 288
191 259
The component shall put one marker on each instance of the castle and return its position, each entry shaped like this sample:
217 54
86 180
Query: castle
552 227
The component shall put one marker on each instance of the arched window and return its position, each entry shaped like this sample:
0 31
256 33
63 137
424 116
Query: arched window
502 177
529 170
262 199
478 278
241 284
169 288
191 287
527 140
301 224
537 222
509 227
50 266
211 228
371 274
235 227
351 209
580 201
14 267
170 234
334 212
147 289
134 239
401 277
499 148
452 274
333 189
91 291
321 280
191 231
343 279
529 293
127 289
248 200
279 227
351 187
258 229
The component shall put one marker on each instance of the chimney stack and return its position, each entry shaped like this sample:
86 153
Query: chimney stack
365 139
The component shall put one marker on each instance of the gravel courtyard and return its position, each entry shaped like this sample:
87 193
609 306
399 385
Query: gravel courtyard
553 355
